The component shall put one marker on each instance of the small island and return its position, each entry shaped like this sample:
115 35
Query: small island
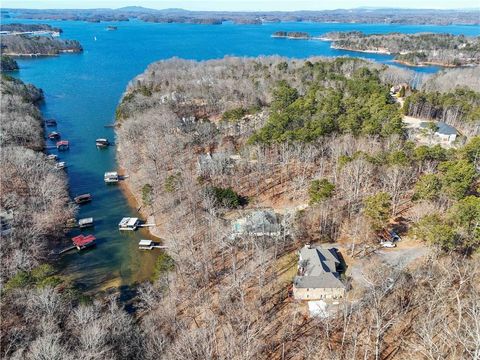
35 40
412 49
296 35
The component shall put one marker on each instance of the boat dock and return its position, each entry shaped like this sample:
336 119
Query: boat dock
149 245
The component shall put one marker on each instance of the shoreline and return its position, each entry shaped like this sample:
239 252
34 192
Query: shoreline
133 202
69 51
292 37
381 52
427 63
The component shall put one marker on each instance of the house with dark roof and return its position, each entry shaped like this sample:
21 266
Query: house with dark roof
318 274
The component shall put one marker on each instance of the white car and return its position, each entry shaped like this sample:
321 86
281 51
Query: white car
388 244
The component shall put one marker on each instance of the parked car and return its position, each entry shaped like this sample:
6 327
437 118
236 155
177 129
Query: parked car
388 244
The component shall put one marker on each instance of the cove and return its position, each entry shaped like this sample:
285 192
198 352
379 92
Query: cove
82 92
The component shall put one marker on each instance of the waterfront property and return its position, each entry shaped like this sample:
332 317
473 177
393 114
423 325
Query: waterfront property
128 224
83 241
318 274
111 177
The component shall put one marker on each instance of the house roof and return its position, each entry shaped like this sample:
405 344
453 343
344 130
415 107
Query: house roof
319 267
318 260
443 128
322 280
261 221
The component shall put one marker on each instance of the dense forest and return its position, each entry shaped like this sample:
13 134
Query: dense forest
415 49
320 142
23 45
32 190
189 138
449 79
370 16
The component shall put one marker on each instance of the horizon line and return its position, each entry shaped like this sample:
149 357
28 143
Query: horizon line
236 11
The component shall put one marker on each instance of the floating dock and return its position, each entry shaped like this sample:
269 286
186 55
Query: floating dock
128 224
149 245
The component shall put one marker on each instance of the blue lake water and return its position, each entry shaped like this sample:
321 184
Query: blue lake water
82 92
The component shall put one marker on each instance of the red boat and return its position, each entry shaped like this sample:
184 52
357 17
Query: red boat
62 145
83 242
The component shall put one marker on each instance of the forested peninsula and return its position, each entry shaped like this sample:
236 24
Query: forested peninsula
412 49
319 145
7 64
26 45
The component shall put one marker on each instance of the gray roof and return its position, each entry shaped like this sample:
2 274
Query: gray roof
318 260
324 280
443 128
318 268
258 222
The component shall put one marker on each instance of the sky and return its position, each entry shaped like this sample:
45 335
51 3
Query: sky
240 5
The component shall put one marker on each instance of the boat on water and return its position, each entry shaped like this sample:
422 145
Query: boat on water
84 241
51 122
102 143
111 28
85 222
52 157
63 145
60 165
82 199
128 224
54 135
111 177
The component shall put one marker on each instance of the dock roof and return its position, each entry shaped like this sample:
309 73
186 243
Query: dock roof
82 240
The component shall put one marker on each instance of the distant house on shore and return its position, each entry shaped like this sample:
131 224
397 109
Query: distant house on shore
318 275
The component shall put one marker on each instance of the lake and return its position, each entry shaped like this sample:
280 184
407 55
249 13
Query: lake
82 92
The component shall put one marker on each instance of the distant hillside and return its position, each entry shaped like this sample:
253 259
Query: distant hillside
370 16
412 49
